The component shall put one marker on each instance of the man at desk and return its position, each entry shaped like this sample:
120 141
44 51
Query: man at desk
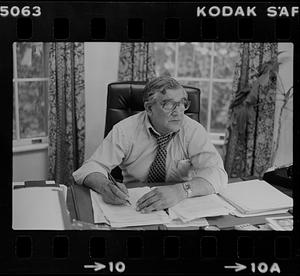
160 145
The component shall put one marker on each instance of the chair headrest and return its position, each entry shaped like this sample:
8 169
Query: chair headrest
129 96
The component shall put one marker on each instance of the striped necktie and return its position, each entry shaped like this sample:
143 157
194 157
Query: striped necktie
157 172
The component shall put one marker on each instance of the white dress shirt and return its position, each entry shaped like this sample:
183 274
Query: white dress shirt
132 147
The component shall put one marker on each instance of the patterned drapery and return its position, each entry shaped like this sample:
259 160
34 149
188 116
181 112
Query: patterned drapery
136 62
251 114
66 110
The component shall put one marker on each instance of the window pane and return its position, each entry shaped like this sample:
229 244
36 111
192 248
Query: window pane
204 88
194 60
221 98
202 60
164 59
30 60
225 59
14 119
32 109
185 60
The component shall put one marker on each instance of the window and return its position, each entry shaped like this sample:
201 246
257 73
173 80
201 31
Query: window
30 82
208 66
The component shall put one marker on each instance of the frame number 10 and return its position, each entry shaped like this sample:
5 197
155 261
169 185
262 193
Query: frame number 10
119 267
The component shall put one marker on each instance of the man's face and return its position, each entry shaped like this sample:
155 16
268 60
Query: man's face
167 121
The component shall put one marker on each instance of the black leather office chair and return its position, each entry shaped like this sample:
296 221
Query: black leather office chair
126 98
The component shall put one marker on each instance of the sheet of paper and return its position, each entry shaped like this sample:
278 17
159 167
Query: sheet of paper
241 215
255 196
37 208
200 222
200 207
123 216
97 211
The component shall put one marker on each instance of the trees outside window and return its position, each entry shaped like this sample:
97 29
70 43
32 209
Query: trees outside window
30 81
208 66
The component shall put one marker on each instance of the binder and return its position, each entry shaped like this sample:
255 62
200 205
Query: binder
39 205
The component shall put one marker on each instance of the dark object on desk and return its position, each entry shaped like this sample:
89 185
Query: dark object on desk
126 98
281 177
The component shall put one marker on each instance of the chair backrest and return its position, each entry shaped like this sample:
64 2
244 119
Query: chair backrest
126 98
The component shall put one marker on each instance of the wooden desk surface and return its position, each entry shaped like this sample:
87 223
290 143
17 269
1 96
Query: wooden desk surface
83 211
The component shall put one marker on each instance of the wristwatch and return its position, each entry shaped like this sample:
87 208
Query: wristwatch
187 188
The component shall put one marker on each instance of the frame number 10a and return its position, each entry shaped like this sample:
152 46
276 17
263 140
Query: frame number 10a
264 268
261 267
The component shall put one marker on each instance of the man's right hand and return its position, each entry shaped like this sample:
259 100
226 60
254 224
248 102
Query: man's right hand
111 194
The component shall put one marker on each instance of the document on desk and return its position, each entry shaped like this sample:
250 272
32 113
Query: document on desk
200 207
125 216
255 197
39 208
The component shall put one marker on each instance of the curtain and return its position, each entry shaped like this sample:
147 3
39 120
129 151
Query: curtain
250 126
136 62
66 110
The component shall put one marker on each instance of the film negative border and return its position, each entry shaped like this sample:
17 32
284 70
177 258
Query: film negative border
154 252
124 21
181 252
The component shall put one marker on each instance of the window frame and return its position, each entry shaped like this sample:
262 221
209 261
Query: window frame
38 142
218 138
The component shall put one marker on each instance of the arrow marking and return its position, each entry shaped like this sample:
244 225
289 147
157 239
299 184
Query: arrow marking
96 266
237 267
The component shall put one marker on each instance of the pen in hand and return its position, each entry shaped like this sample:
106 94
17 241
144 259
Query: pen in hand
114 182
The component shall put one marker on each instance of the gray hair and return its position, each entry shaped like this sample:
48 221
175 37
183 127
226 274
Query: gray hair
159 85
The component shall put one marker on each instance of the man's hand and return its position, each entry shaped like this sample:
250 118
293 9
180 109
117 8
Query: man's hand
111 193
160 198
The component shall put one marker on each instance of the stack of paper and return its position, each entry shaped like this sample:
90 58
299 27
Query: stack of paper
246 198
256 197
124 216
39 208
200 207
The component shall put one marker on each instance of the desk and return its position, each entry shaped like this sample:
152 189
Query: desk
83 211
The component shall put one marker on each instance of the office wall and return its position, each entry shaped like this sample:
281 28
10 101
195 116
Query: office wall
30 165
101 68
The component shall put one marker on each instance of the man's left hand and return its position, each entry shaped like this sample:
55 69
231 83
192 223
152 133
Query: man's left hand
160 198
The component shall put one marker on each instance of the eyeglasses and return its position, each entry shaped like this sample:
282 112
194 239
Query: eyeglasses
170 106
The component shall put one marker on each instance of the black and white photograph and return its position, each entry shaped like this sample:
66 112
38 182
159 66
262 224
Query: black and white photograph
152 135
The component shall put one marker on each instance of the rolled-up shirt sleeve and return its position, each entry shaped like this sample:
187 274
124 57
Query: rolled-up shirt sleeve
206 160
108 155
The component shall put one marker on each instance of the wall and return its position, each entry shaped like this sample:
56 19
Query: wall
101 68
30 165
